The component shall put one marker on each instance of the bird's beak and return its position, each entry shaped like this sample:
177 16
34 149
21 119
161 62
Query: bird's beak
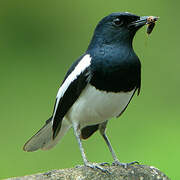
142 21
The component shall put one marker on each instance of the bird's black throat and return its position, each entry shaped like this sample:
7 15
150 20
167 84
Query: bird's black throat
115 68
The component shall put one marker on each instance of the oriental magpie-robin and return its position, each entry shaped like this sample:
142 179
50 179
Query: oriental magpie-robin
97 87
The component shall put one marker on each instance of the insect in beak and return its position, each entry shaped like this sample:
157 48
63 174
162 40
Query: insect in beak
151 24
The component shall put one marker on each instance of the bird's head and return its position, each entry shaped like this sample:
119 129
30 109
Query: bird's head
117 28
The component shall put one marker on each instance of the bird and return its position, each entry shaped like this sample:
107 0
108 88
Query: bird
98 86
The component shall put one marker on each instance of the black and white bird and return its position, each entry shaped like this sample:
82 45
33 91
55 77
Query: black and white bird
97 87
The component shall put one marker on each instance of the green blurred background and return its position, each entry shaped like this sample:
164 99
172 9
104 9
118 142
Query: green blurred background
39 40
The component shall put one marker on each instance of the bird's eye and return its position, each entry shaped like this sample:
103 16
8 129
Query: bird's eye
117 22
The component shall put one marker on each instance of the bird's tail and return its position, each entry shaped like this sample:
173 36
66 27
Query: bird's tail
43 139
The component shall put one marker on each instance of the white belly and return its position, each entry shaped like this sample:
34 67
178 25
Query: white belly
94 106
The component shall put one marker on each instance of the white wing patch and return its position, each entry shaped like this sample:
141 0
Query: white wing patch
81 66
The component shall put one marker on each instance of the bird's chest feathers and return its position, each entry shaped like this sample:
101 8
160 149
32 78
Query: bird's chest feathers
95 106
115 71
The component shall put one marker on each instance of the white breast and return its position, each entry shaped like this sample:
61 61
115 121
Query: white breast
95 106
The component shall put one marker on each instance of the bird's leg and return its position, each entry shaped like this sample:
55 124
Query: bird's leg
77 133
102 129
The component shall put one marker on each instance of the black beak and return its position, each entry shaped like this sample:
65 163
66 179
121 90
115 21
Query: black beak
142 21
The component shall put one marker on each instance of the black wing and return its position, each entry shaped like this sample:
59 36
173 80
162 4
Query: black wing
75 81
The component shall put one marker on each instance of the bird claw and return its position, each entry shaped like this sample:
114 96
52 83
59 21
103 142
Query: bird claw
104 164
96 166
125 165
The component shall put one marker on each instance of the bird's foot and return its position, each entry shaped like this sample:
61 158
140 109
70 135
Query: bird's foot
96 166
125 165
104 164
